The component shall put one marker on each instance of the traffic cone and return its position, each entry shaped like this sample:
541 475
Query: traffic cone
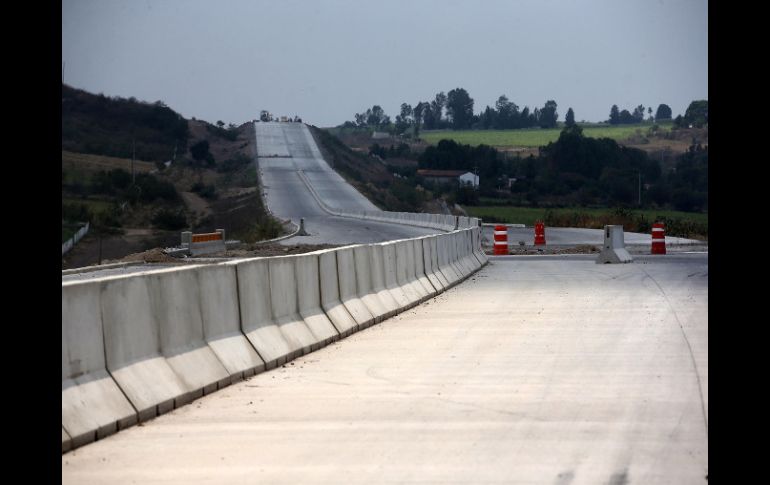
539 233
658 239
501 240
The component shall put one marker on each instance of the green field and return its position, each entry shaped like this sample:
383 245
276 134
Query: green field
531 137
528 215
95 206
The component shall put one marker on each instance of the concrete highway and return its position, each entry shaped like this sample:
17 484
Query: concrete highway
535 370
289 160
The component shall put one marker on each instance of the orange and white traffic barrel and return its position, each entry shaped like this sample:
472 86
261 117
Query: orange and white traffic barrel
658 239
539 233
501 240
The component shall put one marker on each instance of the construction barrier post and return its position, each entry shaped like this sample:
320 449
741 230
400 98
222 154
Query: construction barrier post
658 239
501 240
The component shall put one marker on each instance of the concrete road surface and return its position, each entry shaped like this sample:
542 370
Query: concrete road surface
552 371
289 160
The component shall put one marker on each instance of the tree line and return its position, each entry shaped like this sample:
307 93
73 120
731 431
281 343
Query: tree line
454 110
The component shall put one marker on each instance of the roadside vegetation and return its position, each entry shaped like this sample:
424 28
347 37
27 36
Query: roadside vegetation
185 175
537 137
628 170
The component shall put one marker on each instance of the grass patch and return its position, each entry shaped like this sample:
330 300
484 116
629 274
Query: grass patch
531 137
94 206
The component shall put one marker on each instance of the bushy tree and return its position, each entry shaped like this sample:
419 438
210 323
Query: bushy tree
548 115
614 115
663 112
459 106
569 120
697 113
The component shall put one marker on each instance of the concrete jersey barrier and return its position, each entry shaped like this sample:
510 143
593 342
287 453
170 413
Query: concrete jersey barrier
331 302
93 406
377 260
256 313
138 345
397 290
416 268
347 273
175 301
133 348
309 299
285 306
412 289
365 290
218 294
431 267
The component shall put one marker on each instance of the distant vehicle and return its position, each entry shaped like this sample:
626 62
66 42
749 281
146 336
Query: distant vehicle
283 119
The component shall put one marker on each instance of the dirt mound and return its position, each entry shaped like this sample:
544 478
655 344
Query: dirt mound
154 255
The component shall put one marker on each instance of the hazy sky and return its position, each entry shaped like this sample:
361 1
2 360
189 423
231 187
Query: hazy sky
326 60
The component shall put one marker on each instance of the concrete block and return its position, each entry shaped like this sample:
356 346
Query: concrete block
411 288
466 247
377 261
256 313
398 291
365 290
330 294
175 300
133 348
614 249
431 266
309 299
435 223
442 258
93 406
477 247
218 293
417 271
347 272
285 306
460 263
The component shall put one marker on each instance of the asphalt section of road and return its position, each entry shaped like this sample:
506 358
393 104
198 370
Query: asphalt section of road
532 371
286 153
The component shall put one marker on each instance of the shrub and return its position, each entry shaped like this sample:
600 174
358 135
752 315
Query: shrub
170 219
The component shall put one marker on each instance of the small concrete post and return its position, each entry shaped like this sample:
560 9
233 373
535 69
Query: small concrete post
186 239
222 232
302 231
614 250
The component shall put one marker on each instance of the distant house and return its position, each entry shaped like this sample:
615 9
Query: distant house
450 176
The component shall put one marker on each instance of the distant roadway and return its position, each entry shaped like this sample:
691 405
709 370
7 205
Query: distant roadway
287 154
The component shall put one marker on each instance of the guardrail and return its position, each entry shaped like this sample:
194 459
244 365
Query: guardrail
441 222
139 345
70 243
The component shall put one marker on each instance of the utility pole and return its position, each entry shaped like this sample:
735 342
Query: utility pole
133 156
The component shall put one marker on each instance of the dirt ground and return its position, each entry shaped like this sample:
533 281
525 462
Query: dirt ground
115 247
580 249
156 255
